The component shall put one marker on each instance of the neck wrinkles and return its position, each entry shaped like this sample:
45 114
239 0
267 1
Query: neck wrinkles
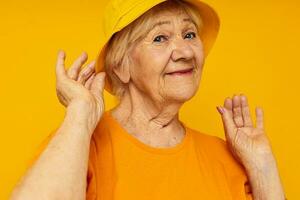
154 122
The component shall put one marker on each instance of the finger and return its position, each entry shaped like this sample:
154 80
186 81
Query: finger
86 72
228 123
237 111
60 64
75 67
246 111
89 81
228 105
259 117
97 85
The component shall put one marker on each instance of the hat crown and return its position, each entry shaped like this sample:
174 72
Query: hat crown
119 13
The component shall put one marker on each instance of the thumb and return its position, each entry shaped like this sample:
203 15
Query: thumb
97 85
228 123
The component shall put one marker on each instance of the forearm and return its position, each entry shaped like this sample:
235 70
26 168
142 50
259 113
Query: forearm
265 182
60 172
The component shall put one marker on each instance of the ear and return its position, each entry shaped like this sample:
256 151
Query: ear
122 71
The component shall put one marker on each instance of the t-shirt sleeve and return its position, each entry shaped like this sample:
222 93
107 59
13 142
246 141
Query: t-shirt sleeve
235 172
91 193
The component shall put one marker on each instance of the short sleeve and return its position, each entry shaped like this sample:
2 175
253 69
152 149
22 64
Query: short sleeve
248 191
235 172
91 189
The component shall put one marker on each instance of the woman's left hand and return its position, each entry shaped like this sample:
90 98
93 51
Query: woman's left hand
248 143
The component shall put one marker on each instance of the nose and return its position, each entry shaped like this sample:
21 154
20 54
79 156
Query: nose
181 50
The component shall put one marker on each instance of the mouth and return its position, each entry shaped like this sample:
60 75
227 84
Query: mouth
182 72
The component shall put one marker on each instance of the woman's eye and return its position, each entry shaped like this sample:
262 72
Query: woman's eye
190 35
160 38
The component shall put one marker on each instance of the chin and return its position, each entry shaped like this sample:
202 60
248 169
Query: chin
182 94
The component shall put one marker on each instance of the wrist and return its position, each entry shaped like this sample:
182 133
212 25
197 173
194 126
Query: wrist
265 180
81 106
81 119
261 163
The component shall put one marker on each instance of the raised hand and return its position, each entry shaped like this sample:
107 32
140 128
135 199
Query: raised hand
248 143
80 90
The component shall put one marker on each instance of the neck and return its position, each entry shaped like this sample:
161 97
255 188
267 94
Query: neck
152 121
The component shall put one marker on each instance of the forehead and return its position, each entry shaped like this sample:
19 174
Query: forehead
170 15
165 17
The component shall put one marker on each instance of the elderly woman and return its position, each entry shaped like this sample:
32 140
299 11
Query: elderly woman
152 60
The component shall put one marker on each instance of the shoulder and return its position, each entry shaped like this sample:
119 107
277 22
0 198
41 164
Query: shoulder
103 128
216 149
101 140
217 152
208 141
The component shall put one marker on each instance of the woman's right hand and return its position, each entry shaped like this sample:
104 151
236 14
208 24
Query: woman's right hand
80 90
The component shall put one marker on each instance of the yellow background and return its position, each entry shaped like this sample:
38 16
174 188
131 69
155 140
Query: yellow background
256 53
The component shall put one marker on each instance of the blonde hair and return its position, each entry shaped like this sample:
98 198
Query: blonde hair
119 46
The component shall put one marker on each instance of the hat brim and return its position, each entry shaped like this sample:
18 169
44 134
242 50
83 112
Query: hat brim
208 35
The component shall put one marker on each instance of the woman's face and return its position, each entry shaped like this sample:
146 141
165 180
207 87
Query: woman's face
172 45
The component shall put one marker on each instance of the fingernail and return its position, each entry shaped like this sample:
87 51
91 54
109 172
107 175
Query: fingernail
84 54
221 111
224 110
61 52
92 63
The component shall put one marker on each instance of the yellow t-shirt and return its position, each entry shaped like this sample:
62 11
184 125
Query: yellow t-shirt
123 168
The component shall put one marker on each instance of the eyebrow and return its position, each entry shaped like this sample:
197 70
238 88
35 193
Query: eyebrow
169 22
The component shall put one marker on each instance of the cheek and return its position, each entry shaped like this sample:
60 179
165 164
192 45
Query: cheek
148 67
153 61
199 57
198 51
158 58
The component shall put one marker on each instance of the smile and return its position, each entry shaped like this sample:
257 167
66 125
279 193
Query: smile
182 72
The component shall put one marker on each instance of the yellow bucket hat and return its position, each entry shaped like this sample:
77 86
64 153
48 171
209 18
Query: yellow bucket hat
120 13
